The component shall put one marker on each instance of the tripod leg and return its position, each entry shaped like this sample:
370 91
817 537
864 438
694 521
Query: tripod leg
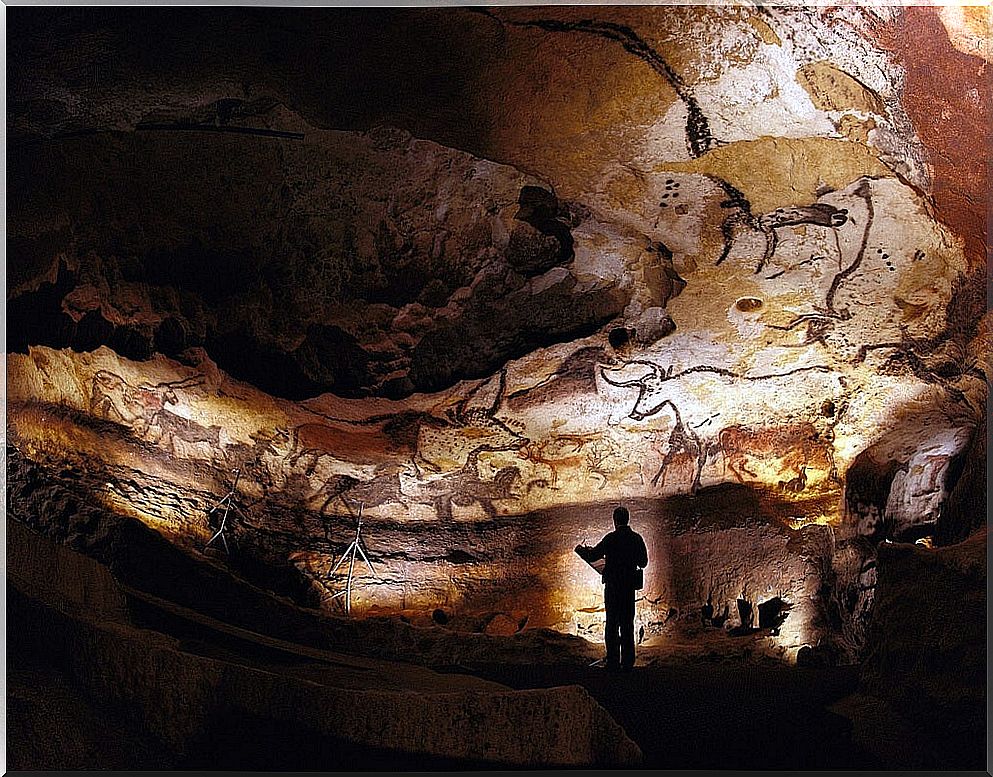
343 557
222 502
348 584
220 531
368 562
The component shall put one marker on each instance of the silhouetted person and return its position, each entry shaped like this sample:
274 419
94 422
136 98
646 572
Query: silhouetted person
624 553
745 611
707 612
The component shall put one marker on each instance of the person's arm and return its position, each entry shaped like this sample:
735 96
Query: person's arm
597 551
642 552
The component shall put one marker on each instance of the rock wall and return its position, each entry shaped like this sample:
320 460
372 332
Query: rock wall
182 697
927 662
635 255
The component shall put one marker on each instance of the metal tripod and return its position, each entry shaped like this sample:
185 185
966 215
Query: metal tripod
354 548
227 502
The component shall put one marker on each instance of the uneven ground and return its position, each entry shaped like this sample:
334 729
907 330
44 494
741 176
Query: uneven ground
722 714
695 714
480 274
697 698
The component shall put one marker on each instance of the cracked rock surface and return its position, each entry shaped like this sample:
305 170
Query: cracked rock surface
483 274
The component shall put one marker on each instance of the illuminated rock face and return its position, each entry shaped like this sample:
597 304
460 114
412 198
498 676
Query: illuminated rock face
722 274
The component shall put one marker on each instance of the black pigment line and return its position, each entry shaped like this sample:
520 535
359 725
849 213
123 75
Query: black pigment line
906 348
708 368
698 138
736 200
705 421
837 245
726 373
806 317
864 192
815 368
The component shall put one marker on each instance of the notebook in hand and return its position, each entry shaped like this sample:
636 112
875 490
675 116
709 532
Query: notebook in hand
597 565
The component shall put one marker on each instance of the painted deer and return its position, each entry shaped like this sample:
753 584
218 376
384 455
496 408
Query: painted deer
569 451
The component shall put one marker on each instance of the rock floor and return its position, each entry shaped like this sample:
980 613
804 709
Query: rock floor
697 699
712 715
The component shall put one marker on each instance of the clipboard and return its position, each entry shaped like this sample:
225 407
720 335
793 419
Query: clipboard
638 580
596 565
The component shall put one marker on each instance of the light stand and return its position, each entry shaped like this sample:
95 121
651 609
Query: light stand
227 502
354 548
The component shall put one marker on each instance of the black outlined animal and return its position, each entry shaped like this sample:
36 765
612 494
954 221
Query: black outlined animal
137 407
654 393
797 484
175 427
682 445
465 487
311 441
468 428
742 219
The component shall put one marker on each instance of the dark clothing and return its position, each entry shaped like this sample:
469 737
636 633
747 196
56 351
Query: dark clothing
618 631
624 552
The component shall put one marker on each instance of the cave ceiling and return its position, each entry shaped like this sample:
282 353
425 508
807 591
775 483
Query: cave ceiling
472 266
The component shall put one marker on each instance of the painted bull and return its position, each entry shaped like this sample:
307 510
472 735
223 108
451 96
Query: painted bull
654 394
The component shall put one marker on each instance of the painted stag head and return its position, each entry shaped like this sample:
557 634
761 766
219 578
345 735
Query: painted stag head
650 382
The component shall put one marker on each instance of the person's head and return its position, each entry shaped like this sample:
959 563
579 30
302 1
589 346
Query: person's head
621 517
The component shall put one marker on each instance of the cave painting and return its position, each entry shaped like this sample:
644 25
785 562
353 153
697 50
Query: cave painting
798 446
181 435
681 448
651 379
385 487
845 264
689 443
786 293
139 407
467 429
408 458
821 319
465 487
699 138
356 444
820 214
590 453
400 485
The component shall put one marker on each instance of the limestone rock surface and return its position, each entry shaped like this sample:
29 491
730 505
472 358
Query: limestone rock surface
630 254
184 689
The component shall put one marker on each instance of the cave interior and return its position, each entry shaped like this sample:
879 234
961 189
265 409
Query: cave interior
331 332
